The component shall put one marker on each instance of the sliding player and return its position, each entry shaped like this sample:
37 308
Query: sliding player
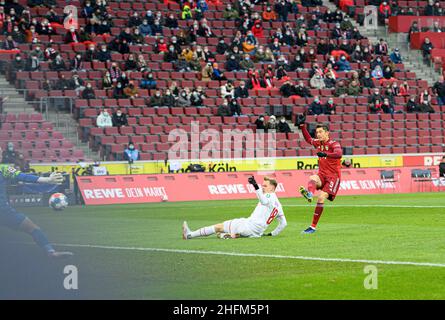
265 212
329 163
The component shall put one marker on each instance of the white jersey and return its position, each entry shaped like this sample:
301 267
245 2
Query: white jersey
267 209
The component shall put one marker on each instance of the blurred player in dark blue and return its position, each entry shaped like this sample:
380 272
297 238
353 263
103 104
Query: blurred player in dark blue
10 218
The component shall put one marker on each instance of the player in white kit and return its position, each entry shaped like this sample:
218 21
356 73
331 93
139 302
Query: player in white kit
268 209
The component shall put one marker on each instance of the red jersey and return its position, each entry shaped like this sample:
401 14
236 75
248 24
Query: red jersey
329 166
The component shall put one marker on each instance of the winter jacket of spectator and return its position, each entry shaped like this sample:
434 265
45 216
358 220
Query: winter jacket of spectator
119 121
354 90
317 82
104 121
224 110
168 100
315 108
232 65
241 92
328 108
343 65
88 93
156 101
283 127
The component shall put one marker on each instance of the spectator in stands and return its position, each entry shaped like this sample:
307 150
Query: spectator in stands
156 28
196 98
341 90
283 126
381 48
268 81
104 119
269 14
135 20
145 28
439 90
186 13
63 83
161 46
130 63
17 35
88 92
426 48
103 55
342 64
131 91
426 107
272 123
119 119
148 82
282 8
183 99
377 73
57 64
142 65
246 63
232 64
224 109
411 105
217 74
395 56
77 63
302 91
123 79
297 64
366 81
168 100
315 108
118 92
171 22
230 13
241 91
429 9
228 89
355 34
171 55
287 89
357 55
72 36
346 24
375 107
387 107
404 89
425 96
115 72
260 125
414 28
375 96
156 100
317 82
207 72
329 107
222 47
436 27
131 154
384 12
137 38
32 63
235 108
442 168
181 64
107 81
354 88
38 53
9 44
77 84
10 156
257 30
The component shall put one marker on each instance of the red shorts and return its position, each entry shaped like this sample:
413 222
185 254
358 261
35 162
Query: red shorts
330 185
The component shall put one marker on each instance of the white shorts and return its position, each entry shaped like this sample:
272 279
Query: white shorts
240 226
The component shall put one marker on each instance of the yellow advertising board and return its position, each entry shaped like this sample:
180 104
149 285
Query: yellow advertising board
224 165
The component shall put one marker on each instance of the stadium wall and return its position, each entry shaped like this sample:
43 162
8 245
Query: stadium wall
237 165
124 189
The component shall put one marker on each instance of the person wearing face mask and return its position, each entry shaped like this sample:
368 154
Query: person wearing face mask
119 119
230 13
283 126
366 81
57 64
171 55
329 107
186 13
10 156
232 64
156 100
241 91
131 91
246 63
104 119
18 35
103 55
342 64
77 63
315 108
118 92
131 154
88 92
269 14
145 28
148 82
32 63
72 36
171 22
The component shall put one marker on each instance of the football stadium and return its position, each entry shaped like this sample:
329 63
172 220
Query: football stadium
222 150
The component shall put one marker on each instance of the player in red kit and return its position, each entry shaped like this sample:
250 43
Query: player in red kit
329 164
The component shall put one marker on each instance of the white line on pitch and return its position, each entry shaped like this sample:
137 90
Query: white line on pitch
235 254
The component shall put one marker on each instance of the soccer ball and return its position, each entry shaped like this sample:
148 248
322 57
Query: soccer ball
58 201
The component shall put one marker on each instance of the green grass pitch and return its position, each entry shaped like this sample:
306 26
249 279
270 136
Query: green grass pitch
123 259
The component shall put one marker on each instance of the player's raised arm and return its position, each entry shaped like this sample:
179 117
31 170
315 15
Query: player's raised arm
300 123
263 199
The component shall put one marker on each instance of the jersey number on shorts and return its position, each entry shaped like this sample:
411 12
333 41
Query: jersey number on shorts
272 216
